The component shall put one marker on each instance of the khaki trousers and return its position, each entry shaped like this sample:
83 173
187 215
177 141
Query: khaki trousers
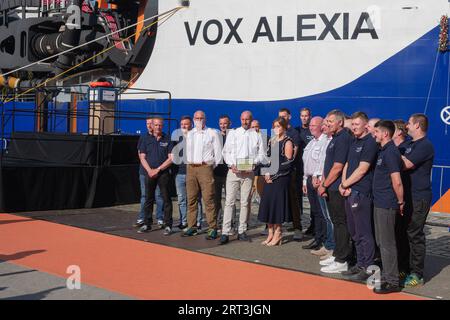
200 178
236 182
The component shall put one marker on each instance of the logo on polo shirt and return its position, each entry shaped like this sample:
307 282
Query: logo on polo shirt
408 150
163 144
359 149
331 145
379 161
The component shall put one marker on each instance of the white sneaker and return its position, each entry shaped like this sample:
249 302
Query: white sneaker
336 267
328 255
167 231
327 262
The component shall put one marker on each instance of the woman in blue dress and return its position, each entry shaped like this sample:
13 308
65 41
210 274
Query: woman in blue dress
274 208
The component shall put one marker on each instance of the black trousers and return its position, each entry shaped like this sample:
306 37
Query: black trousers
336 207
401 235
294 199
317 219
299 183
219 184
416 235
163 181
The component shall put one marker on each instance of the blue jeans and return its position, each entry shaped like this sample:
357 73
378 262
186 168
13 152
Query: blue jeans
329 243
320 225
180 184
159 200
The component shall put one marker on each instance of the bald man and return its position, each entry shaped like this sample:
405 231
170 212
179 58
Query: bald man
313 170
371 126
243 146
144 212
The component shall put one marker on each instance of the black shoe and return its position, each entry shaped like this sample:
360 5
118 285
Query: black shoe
360 276
145 228
352 271
386 288
138 223
167 231
190 232
312 246
224 239
243 237
182 226
309 231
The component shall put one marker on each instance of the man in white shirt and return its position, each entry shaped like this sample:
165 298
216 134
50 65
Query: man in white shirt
244 148
203 153
312 170
316 181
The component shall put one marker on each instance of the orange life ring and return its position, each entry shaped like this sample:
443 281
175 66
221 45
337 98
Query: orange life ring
101 84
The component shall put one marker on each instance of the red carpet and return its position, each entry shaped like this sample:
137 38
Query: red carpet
150 271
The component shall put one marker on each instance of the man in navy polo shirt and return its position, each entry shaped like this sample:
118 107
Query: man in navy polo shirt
388 203
221 171
295 192
336 157
356 187
305 134
403 141
142 174
156 158
418 161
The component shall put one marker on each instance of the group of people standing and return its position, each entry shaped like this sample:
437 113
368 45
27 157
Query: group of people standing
368 182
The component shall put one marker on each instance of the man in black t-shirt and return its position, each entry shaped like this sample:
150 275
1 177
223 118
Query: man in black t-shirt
303 130
418 161
356 187
388 202
305 138
336 157
403 141
221 171
295 188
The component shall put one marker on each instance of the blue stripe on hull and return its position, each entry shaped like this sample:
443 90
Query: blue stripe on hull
395 89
